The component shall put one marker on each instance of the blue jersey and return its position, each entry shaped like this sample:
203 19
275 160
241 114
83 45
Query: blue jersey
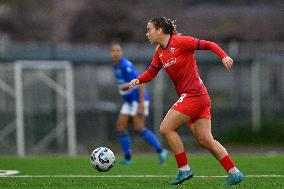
125 71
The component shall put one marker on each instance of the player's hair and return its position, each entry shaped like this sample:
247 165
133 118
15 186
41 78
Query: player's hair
167 25
116 42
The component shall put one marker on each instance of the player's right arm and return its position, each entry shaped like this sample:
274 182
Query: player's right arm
149 74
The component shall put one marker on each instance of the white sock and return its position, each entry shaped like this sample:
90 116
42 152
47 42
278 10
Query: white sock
233 170
184 168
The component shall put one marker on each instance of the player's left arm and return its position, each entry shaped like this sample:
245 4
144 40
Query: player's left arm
191 44
216 49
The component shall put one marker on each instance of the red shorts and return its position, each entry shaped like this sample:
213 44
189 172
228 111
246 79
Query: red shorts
194 106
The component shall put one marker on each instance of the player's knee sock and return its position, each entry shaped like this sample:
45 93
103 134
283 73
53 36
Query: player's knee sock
151 138
182 161
229 165
125 142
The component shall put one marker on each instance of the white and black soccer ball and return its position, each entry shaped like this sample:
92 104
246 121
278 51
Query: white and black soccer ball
102 159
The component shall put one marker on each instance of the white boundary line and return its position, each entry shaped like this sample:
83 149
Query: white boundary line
8 172
128 176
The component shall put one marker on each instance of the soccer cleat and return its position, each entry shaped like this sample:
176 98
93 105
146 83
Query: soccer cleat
181 177
163 156
234 179
125 162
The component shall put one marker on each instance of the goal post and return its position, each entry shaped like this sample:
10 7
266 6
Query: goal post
66 93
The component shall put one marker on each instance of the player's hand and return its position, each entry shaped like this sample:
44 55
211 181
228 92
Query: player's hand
133 82
228 63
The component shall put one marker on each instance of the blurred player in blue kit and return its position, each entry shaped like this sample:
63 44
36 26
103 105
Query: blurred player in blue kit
135 107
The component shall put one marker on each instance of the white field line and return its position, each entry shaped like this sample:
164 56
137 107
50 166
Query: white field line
129 176
8 172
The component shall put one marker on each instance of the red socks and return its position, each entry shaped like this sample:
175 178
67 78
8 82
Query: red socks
227 163
181 159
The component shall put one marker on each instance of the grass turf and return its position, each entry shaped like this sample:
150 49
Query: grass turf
202 165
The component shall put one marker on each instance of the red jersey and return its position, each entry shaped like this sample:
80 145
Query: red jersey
179 62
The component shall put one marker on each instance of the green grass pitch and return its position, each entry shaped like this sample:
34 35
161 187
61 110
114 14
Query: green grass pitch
64 172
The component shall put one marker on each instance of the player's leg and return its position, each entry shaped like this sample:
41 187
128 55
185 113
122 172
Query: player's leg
201 129
168 128
148 135
124 137
122 123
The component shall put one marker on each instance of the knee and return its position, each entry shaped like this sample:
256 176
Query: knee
164 130
205 141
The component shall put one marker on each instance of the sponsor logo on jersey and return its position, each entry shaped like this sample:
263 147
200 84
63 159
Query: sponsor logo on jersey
170 62
172 49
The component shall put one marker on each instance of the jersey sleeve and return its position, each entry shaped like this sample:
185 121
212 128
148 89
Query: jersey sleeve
213 47
191 44
153 69
188 43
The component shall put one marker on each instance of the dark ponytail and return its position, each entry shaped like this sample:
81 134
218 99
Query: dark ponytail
168 26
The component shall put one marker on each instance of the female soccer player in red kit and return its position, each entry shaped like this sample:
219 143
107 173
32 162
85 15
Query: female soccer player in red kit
175 54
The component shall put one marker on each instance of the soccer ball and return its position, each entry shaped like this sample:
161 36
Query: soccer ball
102 159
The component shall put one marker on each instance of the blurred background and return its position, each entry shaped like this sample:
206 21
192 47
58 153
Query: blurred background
58 92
